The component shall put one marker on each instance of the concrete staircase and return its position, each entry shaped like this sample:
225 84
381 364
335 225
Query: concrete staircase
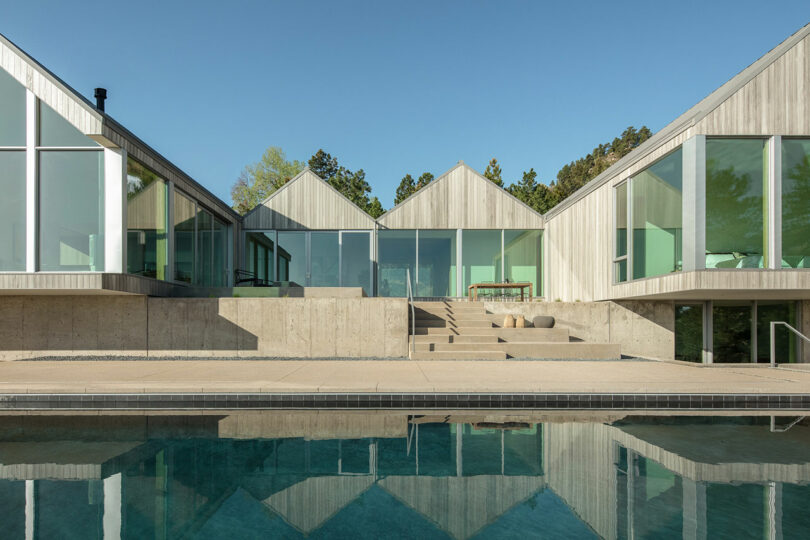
465 331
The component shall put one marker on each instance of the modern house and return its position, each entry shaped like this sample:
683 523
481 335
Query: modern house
686 248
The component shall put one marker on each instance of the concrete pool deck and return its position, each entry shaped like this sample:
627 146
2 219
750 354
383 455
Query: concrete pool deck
394 376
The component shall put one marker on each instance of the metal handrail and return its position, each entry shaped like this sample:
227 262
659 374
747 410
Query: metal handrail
773 338
413 312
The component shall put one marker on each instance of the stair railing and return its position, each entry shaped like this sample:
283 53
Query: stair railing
773 338
412 331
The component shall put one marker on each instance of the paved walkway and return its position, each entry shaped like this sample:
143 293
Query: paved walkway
392 376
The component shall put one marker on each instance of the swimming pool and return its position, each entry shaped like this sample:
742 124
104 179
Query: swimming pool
396 475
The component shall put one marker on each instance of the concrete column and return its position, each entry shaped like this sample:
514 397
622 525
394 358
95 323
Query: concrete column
694 203
459 446
30 509
111 520
775 202
694 510
115 210
31 195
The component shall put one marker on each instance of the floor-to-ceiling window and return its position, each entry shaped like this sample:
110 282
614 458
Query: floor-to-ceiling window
355 260
656 210
325 252
795 203
71 196
185 213
689 332
620 234
205 229
481 256
260 254
522 253
147 222
437 263
736 205
219 256
12 174
292 257
396 254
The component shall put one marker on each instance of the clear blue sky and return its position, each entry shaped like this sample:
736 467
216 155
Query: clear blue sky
395 87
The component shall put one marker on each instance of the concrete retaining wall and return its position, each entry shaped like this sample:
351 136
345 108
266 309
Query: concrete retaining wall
35 326
645 329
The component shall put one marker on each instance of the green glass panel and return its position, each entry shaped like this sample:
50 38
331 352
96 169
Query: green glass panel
219 262
205 223
396 253
731 324
356 260
71 211
481 257
12 111
689 333
795 203
658 501
786 345
12 211
56 131
292 257
259 254
437 263
620 270
185 217
621 220
147 218
325 259
657 209
736 511
522 252
736 207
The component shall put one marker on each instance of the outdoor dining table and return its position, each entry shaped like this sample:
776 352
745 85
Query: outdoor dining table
473 289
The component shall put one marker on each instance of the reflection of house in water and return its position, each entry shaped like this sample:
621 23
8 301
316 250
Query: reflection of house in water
324 474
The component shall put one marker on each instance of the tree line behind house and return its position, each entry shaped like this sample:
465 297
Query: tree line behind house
259 180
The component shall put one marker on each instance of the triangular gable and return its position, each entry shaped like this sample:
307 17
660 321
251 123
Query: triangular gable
461 198
51 90
704 115
307 203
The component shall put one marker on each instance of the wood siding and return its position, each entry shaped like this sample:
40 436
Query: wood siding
462 199
307 203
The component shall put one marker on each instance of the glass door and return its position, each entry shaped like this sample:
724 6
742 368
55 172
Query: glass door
355 260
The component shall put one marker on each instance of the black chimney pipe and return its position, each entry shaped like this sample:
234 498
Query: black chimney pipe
101 95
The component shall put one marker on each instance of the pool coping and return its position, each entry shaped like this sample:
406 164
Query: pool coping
199 401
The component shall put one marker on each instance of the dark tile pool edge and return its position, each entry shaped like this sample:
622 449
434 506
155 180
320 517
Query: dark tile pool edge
393 401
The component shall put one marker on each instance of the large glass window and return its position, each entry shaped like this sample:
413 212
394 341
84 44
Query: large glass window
292 257
731 337
522 252
437 263
689 333
54 130
205 226
185 212
325 248
620 240
355 266
259 254
12 210
656 211
147 219
481 256
71 211
220 255
736 206
12 111
795 203
396 253
787 346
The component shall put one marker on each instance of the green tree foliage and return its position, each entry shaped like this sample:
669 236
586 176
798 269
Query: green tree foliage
573 175
259 180
408 187
493 172
351 184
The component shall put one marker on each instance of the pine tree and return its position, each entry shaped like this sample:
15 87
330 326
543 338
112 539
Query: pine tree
493 172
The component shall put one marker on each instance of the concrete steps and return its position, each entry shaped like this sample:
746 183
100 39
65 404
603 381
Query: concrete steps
465 331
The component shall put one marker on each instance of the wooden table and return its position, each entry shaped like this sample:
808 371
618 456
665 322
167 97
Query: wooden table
472 290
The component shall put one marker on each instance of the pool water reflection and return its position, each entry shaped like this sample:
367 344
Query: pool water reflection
374 475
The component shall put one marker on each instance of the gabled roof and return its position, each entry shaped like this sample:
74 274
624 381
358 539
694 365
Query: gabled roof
461 198
307 202
686 120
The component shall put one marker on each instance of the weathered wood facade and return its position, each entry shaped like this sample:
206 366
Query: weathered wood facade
307 203
461 198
